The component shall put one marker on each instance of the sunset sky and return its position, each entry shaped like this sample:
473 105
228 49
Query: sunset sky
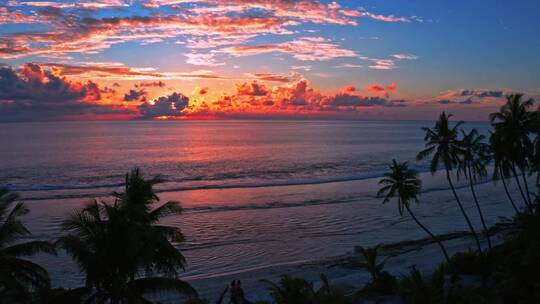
207 59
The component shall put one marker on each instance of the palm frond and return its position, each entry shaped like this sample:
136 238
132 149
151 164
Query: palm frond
155 285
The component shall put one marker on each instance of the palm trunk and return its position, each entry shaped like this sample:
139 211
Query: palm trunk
436 239
526 186
463 211
508 192
516 177
478 208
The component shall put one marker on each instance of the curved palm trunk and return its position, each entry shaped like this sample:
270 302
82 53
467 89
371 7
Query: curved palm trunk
516 177
486 232
463 211
436 239
508 192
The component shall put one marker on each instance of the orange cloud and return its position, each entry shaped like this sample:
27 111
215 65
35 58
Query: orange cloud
297 98
377 88
117 71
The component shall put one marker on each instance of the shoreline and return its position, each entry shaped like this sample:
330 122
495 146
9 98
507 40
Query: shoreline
400 256
327 239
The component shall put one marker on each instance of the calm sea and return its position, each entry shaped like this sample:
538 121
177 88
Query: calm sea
257 194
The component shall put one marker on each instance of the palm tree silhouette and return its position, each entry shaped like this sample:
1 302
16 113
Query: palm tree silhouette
137 200
292 290
513 125
502 164
536 156
370 261
404 183
442 142
475 157
122 250
18 277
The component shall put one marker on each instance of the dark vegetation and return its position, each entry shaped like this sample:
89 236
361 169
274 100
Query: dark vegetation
127 255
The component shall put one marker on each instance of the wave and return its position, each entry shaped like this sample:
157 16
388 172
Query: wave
272 205
42 191
176 186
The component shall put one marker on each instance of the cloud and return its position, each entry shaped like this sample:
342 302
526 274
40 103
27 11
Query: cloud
135 95
301 67
469 97
204 59
274 77
482 93
86 34
299 10
118 71
383 64
387 18
203 91
345 101
33 93
297 98
252 89
388 63
165 106
9 16
303 49
405 56
71 4
349 65
158 84
378 88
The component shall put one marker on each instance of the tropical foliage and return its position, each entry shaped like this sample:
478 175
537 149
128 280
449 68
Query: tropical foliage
404 184
444 147
122 249
19 278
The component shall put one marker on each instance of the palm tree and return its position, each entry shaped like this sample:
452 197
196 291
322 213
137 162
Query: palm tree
536 156
513 125
404 183
442 142
137 200
370 261
18 277
415 288
501 167
119 247
475 157
292 290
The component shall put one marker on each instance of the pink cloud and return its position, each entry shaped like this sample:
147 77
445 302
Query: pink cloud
303 49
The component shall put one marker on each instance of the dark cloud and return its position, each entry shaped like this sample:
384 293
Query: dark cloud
135 95
252 89
33 93
348 100
159 84
203 91
482 93
171 106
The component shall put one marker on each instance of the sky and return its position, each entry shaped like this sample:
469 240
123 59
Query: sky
265 59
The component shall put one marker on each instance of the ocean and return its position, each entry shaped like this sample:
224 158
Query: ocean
259 196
